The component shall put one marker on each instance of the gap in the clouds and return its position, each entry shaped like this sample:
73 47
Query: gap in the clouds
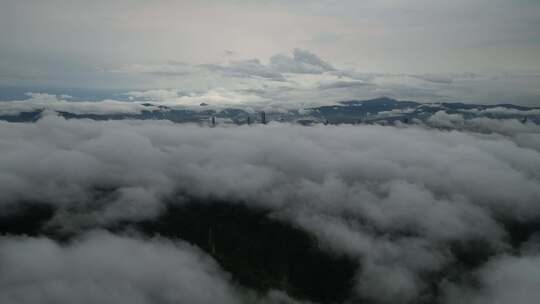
259 251
28 218
471 254
520 233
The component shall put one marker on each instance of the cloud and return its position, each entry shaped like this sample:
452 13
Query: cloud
524 134
505 111
43 101
308 79
362 33
220 97
506 279
104 268
444 79
342 85
171 69
396 199
445 120
247 68
147 100
302 62
160 95
395 112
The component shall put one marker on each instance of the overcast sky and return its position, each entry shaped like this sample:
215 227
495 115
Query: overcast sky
204 44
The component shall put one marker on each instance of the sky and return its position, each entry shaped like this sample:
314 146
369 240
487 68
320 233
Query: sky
483 51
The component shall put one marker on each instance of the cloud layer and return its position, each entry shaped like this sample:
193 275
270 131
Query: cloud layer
104 268
397 199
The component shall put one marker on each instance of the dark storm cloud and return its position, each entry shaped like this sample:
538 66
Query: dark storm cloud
393 198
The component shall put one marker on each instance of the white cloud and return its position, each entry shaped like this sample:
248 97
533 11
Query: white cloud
445 120
47 102
505 111
103 268
394 198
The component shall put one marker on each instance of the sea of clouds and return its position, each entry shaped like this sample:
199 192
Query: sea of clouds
399 199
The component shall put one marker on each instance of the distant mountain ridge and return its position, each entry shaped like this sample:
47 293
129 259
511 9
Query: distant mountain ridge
381 109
